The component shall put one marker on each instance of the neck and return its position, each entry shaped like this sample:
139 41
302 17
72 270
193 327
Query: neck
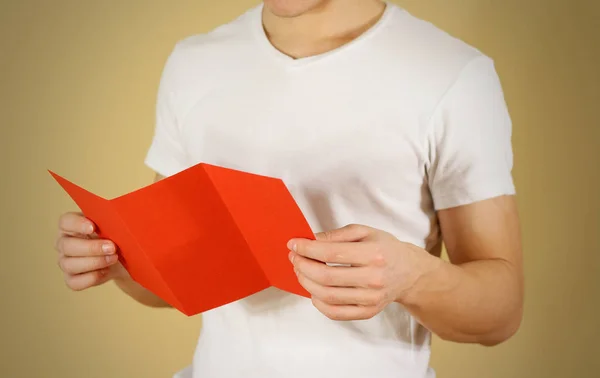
324 28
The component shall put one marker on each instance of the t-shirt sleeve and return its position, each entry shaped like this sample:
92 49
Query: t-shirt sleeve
166 154
469 140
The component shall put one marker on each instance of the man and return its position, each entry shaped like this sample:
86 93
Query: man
390 134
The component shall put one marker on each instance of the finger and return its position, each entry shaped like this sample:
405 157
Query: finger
79 265
84 281
75 223
326 275
341 295
351 253
72 246
345 313
349 233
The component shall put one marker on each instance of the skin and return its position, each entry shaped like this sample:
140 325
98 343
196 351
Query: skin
87 261
476 297
302 28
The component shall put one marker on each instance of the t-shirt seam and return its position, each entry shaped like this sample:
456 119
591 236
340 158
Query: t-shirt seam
175 90
482 186
306 62
436 108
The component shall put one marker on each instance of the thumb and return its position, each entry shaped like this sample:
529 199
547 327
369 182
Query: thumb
349 233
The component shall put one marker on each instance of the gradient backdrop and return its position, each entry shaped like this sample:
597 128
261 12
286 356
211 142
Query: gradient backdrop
78 82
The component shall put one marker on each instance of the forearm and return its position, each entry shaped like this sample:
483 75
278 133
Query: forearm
139 293
475 302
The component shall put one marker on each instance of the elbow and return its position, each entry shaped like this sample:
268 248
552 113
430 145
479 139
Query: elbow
507 325
503 332
491 335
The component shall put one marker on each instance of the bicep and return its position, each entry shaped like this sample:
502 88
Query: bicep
484 230
470 166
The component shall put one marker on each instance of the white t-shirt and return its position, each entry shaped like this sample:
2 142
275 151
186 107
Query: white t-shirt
384 131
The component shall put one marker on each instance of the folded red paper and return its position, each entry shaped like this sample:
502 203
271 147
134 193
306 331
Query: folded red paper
204 237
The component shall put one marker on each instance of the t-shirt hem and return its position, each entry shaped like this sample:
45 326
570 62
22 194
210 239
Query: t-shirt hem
469 194
161 165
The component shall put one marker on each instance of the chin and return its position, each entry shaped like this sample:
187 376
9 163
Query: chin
292 8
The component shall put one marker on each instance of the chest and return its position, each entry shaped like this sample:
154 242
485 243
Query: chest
304 129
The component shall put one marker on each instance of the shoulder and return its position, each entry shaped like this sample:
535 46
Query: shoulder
436 59
228 36
225 45
425 43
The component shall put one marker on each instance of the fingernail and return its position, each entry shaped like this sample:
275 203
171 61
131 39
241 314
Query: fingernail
107 248
88 228
291 245
111 259
291 257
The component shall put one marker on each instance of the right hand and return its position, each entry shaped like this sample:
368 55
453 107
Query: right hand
85 260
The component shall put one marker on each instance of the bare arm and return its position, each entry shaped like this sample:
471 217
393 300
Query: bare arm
475 298
132 288
478 297
139 293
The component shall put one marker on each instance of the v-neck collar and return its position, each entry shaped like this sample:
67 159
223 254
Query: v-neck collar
288 61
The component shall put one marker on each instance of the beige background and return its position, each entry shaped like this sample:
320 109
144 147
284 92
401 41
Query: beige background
78 81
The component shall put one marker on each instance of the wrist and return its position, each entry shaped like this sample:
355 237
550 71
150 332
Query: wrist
428 269
119 273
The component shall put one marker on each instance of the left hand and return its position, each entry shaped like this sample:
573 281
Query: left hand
382 270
